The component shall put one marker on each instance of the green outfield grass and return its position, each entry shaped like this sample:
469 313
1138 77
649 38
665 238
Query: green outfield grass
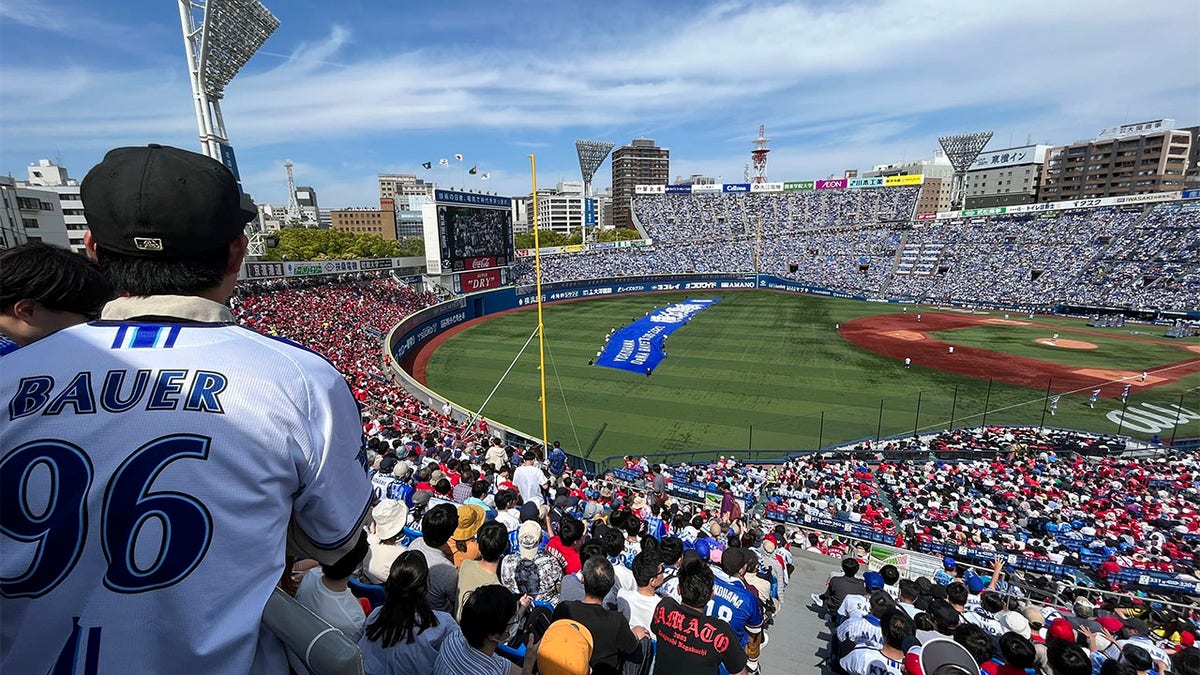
1111 350
756 370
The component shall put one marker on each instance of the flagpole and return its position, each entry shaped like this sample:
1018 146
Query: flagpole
537 266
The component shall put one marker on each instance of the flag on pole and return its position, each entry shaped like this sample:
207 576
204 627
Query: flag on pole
1125 392
444 162
458 156
474 170
427 165
485 176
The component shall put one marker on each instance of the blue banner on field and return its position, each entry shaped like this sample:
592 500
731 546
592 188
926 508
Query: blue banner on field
638 347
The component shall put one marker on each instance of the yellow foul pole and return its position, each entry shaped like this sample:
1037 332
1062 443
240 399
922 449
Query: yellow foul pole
537 267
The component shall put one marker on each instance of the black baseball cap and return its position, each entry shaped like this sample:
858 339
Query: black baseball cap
163 202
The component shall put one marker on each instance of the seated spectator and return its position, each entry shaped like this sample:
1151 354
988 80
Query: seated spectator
888 659
613 640
390 516
489 615
405 633
841 586
732 598
462 542
567 542
565 649
614 547
493 543
507 512
479 495
680 650
437 526
1018 655
45 288
326 592
572 584
670 550
647 572
532 571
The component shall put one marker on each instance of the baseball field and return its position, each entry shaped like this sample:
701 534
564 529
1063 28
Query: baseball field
780 372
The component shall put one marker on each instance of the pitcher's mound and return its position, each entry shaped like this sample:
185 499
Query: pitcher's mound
1066 344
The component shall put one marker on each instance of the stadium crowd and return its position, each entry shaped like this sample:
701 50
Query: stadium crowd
484 501
851 240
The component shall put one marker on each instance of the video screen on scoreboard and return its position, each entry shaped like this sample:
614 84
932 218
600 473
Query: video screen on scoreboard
475 238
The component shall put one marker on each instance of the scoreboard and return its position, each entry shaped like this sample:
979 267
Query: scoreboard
467 232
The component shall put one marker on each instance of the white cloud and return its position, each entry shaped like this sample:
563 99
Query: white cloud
832 81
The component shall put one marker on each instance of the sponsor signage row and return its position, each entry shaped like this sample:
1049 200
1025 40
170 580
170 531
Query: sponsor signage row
273 270
470 282
1190 194
788 186
577 248
1151 198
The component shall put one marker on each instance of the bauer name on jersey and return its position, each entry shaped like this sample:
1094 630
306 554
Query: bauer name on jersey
148 476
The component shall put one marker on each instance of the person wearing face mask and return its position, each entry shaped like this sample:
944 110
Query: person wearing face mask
490 617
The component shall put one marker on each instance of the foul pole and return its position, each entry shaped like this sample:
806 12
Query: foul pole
537 267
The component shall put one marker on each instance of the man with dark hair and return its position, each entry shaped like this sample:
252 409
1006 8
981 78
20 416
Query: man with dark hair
976 641
841 586
572 584
530 480
736 603
612 636
898 630
437 527
647 573
557 459
689 641
45 288
245 448
487 616
670 550
326 591
1065 658
565 544
493 544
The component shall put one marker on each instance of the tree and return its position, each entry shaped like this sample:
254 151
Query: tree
315 244
547 239
617 234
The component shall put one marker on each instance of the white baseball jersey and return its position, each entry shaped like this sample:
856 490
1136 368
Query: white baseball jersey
148 472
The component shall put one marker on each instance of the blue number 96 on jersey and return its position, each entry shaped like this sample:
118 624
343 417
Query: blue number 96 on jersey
59 526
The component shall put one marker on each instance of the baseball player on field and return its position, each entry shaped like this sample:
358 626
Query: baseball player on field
158 463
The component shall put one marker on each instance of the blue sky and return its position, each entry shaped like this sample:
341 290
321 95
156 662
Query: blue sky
348 90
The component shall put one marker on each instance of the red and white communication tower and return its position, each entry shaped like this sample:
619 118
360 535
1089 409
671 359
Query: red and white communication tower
758 156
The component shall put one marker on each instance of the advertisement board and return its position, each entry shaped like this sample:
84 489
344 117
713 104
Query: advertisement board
469 282
735 187
907 179
793 186
926 216
679 189
997 159
230 161
1190 194
831 184
1135 129
649 189
706 187
766 187
589 212
866 182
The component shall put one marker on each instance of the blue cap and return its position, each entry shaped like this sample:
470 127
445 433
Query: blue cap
873 581
702 548
975 584
948 562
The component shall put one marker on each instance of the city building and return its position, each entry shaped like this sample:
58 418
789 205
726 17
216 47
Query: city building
935 190
560 208
1131 159
402 186
380 221
695 179
31 214
639 163
306 199
1004 177
46 175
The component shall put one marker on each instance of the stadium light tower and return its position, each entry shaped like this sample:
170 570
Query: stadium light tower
591 156
758 156
219 37
962 150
